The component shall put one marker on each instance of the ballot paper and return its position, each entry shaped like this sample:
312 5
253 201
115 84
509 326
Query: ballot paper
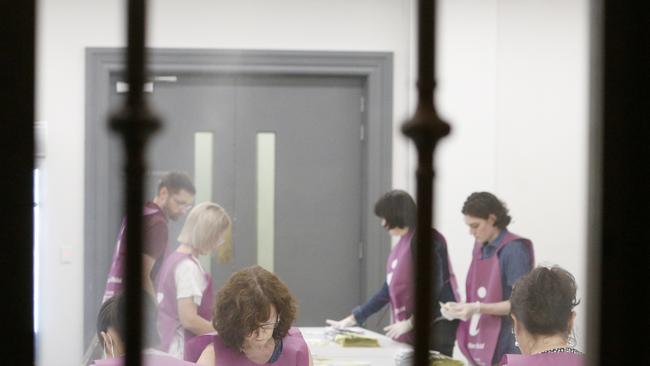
351 338
405 358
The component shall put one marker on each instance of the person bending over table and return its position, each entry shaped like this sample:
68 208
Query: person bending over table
499 259
542 305
253 317
398 215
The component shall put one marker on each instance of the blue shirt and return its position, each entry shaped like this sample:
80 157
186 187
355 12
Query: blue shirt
514 262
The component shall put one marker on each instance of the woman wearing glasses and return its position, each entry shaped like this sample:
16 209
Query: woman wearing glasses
253 318
184 292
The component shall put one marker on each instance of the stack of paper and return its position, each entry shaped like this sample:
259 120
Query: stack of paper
405 358
355 340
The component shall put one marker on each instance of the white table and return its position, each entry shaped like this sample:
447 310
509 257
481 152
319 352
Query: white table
326 352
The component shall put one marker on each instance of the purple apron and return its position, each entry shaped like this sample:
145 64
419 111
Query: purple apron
477 338
543 359
115 274
148 360
168 320
399 277
195 346
294 352
399 267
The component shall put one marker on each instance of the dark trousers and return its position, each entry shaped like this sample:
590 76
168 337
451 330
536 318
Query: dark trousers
444 336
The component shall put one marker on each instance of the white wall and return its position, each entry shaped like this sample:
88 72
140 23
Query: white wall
510 74
513 85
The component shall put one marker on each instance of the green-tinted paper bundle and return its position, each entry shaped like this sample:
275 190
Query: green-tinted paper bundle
355 340
405 358
442 360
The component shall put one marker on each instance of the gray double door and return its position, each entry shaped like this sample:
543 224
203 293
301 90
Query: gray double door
317 210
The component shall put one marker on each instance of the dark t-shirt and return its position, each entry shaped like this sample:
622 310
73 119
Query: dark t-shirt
155 236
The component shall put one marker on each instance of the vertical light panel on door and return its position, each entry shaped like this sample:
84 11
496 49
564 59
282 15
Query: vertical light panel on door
265 199
203 163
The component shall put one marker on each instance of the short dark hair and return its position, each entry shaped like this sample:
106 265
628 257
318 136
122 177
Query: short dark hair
113 311
543 300
244 302
177 181
484 204
398 209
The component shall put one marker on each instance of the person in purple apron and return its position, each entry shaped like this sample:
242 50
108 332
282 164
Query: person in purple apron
184 293
174 198
542 304
253 316
398 215
499 259
110 330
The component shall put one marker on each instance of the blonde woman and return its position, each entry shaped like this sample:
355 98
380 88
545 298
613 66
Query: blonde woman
184 288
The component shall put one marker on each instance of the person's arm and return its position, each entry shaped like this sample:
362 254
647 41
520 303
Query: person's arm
376 303
190 319
207 357
147 265
311 361
190 284
361 313
514 262
495 308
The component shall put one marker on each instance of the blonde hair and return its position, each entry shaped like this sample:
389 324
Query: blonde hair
205 224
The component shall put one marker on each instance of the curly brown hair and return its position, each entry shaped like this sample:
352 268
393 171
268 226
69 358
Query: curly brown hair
244 303
484 204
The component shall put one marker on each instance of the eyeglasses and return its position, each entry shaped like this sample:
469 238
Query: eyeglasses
182 204
268 325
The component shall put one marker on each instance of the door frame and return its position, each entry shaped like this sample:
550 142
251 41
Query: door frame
376 68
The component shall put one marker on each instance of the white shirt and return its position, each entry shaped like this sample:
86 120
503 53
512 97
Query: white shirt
190 282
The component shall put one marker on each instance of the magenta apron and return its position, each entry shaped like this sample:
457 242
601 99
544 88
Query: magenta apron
195 346
115 274
294 352
544 359
477 338
148 360
168 321
399 267
399 277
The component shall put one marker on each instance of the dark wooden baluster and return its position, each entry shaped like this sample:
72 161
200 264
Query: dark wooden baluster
425 129
135 123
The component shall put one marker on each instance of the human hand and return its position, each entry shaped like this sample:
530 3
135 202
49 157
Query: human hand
462 311
397 329
444 311
343 323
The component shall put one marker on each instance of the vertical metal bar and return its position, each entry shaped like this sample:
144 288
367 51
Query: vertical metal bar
425 129
135 123
16 180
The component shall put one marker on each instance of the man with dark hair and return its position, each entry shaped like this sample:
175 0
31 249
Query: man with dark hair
174 198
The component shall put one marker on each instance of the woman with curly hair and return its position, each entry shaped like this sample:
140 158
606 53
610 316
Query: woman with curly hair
253 318
499 259
542 305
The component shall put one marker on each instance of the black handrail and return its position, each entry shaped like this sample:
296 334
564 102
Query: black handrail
135 123
425 129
